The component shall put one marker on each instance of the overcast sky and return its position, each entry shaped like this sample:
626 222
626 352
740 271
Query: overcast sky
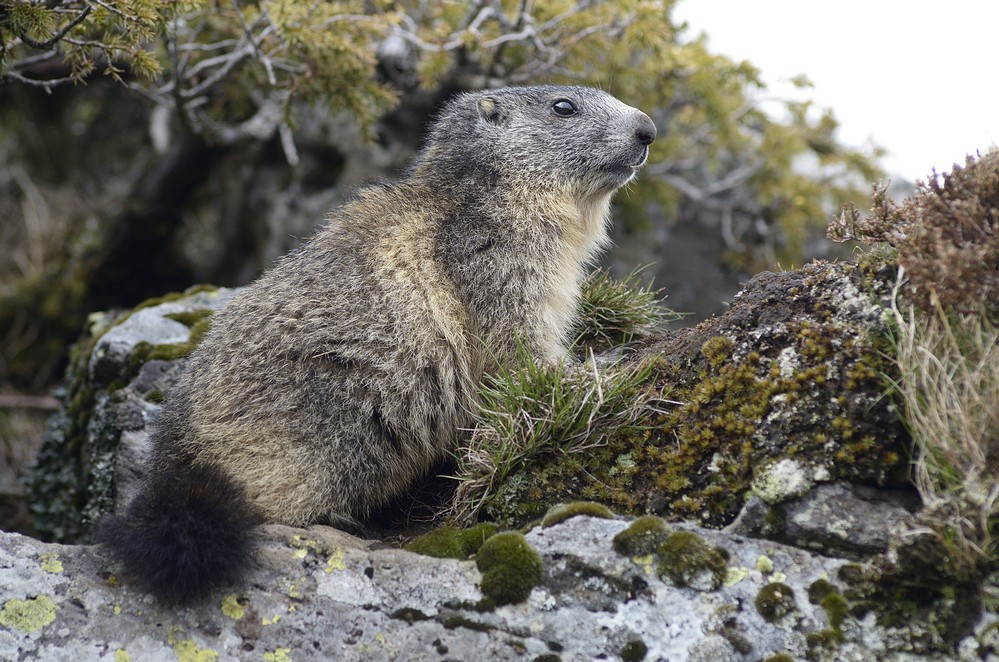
919 77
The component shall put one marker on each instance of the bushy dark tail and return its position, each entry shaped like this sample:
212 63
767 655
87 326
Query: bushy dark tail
189 531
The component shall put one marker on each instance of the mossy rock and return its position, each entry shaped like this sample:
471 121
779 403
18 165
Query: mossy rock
918 588
71 484
566 511
510 569
448 542
685 558
795 369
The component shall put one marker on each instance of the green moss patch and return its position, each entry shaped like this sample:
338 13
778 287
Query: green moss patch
566 511
774 601
684 557
510 568
643 536
448 542
819 589
190 318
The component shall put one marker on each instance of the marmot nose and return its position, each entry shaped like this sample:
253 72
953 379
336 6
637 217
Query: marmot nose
645 131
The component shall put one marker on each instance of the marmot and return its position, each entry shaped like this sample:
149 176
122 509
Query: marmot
344 372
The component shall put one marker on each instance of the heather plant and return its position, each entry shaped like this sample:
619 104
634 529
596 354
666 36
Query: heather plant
946 236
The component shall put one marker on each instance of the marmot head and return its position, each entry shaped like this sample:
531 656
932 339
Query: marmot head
576 139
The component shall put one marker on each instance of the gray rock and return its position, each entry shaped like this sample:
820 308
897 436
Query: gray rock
837 519
321 594
108 400
151 325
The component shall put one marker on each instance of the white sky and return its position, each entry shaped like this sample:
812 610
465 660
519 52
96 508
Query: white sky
919 77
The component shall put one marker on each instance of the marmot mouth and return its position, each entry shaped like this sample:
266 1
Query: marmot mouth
628 170
617 176
645 157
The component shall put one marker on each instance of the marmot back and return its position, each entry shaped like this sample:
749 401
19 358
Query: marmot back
341 375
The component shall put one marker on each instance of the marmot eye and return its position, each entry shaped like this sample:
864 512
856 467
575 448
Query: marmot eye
564 108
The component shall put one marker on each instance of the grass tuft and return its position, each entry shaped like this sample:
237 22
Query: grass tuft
948 364
535 409
613 312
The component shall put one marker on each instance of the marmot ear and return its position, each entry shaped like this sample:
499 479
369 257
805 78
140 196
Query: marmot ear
491 111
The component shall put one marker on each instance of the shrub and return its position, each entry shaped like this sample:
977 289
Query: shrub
946 235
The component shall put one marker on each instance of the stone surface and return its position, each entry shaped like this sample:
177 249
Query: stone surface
833 518
108 399
319 594
779 401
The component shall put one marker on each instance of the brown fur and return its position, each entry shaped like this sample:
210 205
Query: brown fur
341 375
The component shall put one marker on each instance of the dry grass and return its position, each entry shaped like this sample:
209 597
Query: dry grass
949 380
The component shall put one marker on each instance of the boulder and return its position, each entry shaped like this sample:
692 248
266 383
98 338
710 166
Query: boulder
766 430
319 594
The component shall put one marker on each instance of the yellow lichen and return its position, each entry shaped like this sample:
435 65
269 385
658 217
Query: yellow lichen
735 575
187 650
295 587
646 562
232 608
51 563
28 615
278 655
335 561
121 655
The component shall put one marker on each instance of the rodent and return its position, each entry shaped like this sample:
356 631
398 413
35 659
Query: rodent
344 372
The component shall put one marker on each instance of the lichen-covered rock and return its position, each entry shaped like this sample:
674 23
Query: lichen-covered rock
114 385
839 519
783 392
320 594
774 410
